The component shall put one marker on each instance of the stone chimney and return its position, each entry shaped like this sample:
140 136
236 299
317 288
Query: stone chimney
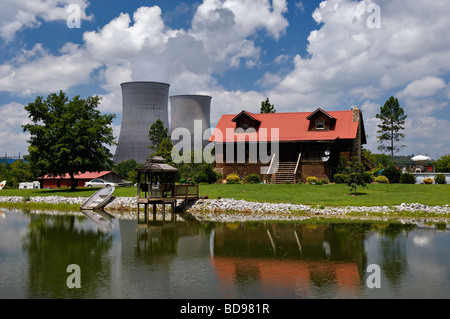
356 114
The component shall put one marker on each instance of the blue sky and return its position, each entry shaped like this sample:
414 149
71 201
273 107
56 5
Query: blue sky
301 54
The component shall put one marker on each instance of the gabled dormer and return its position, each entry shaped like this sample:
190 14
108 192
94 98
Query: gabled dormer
320 121
246 121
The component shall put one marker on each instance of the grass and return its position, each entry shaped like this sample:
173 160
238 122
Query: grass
321 195
333 195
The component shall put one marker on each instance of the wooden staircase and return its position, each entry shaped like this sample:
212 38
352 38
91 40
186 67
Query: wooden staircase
285 173
369 164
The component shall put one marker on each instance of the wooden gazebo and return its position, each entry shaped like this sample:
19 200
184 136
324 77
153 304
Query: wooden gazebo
156 185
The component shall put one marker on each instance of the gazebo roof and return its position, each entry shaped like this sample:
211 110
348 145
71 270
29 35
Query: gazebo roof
157 164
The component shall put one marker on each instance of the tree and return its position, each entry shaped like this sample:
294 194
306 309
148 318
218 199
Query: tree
20 171
157 134
392 119
355 175
443 164
266 107
123 168
165 151
68 137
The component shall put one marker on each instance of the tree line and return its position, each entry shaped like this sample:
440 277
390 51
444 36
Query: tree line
72 136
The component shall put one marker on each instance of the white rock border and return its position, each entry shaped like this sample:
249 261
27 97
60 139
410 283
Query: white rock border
230 209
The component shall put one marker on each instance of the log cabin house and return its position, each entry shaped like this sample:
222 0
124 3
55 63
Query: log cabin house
309 143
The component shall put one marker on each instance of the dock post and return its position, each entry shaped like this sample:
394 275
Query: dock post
146 213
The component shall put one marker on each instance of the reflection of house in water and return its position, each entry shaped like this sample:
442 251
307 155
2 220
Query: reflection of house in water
289 259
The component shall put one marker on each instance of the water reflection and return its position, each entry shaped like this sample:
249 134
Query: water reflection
124 259
290 259
54 242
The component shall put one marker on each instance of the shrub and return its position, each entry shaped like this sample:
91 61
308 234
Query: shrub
219 177
440 179
381 180
201 177
428 180
253 179
312 180
324 181
368 177
407 178
392 174
340 178
233 178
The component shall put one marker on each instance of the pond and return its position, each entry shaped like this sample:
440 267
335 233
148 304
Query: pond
316 259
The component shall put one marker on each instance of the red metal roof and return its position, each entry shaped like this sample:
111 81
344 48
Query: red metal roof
291 127
87 175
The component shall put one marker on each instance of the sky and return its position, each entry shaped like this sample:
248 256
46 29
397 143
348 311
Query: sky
302 55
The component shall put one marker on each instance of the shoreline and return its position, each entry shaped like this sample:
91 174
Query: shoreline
231 210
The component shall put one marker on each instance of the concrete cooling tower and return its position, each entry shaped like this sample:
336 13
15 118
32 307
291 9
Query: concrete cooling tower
185 109
143 104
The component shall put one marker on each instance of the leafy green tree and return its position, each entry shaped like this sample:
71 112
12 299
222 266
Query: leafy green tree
68 137
157 134
20 171
355 174
266 107
5 174
392 118
443 164
123 168
165 151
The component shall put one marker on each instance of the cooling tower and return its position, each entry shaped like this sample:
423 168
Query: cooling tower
185 109
143 104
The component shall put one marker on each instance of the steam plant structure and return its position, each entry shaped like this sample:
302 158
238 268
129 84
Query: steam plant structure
185 110
143 104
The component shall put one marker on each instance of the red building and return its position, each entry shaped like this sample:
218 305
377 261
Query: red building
309 143
64 181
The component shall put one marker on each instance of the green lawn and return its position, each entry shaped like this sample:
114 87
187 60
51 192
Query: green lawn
326 195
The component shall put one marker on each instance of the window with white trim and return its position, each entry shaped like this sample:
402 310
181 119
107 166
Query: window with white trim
320 125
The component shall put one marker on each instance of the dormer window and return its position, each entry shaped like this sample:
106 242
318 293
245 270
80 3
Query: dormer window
320 125
319 120
246 122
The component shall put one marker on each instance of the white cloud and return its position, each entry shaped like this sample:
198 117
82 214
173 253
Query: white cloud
348 63
17 15
12 138
38 71
426 87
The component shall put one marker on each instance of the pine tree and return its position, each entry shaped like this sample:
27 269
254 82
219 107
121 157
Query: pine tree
266 107
392 119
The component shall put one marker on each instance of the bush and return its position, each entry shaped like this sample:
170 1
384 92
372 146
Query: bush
428 180
201 177
324 181
381 180
392 174
407 178
219 177
312 180
340 178
368 177
253 179
233 178
440 179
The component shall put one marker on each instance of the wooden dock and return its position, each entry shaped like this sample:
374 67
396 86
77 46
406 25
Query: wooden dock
156 186
175 196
